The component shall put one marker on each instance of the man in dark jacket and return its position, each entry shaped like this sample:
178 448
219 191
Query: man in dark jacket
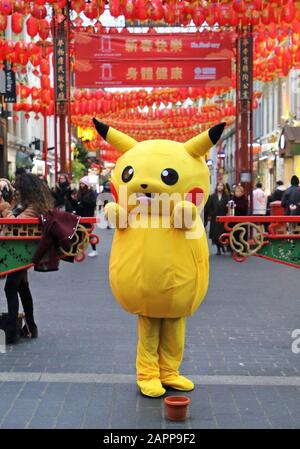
86 204
291 198
276 195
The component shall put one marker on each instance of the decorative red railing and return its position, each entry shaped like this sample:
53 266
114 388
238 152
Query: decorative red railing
275 238
19 239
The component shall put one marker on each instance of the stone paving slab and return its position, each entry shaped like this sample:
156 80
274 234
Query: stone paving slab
80 372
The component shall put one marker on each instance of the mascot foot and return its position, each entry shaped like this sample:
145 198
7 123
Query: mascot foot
152 388
180 383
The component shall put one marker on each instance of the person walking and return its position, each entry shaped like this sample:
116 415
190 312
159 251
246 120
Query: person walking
62 193
240 201
217 206
240 209
85 205
291 198
276 195
33 198
259 200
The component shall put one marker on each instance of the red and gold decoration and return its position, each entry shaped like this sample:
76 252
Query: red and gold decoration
163 111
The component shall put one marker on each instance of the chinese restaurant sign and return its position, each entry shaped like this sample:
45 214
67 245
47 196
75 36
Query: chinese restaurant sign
245 68
153 60
60 69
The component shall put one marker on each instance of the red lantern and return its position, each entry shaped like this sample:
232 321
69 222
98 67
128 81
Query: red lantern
267 15
46 96
78 94
39 12
211 18
24 91
9 48
83 107
115 8
224 15
19 6
156 11
3 22
141 10
23 58
238 6
36 107
35 93
78 5
45 82
32 26
44 29
91 11
288 12
16 22
129 8
35 59
45 67
198 15
6 7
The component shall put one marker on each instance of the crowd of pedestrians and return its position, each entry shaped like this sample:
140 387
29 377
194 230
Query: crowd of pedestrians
225 201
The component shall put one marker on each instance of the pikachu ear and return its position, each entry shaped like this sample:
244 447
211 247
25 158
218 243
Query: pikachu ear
199 145
117 139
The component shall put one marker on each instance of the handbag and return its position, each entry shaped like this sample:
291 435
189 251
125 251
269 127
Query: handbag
4 317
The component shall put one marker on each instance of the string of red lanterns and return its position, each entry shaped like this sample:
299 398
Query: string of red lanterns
225 13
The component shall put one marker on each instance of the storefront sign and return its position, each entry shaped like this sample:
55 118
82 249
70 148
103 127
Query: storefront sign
246 72
10 95
60 64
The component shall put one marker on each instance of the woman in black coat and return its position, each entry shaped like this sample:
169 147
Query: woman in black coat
217 207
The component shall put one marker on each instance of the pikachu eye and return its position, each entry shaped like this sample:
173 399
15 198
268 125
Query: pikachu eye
127 173
169 176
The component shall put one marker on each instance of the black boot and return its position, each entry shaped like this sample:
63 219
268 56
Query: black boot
12 336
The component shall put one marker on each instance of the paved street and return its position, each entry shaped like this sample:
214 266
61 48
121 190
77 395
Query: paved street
80 373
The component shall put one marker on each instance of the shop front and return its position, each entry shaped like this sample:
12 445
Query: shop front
289 151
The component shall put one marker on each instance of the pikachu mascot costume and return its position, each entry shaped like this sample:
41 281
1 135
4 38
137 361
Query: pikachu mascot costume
160 272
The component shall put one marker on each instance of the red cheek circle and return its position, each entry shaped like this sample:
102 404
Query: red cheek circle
114 192
195 196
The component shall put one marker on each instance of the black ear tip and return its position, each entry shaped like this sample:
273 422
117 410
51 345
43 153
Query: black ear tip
216 131
102 128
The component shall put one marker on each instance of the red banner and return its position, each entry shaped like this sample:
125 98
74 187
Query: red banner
201 73
205 45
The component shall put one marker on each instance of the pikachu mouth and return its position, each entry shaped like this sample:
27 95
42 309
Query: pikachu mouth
145 196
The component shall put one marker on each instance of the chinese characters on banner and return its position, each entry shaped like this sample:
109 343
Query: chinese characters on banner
246 68
149 73
207 45
60 68
153 60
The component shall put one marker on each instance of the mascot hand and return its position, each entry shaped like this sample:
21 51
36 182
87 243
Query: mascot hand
184 215
116 215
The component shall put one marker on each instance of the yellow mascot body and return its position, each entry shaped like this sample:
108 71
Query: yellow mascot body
159 266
